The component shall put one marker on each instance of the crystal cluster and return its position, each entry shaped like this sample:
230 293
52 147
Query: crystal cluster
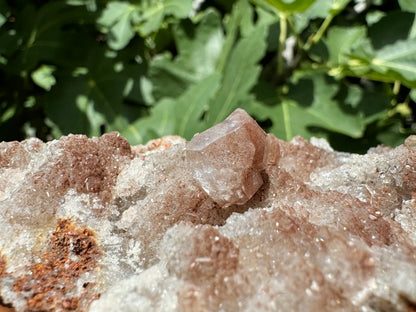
234 220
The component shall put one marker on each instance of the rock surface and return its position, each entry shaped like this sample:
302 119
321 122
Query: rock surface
234 220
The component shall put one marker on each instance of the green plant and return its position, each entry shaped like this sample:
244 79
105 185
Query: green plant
340 69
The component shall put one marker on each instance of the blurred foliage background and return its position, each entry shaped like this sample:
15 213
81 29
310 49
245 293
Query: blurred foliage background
344 70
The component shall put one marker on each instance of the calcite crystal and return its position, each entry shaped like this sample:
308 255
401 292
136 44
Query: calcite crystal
228 158
234 220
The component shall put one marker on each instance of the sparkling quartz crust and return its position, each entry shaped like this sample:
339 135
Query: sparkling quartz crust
228 158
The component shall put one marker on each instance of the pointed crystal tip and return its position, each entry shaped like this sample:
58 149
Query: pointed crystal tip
228 158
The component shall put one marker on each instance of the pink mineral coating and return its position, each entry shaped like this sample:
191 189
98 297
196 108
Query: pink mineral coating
96 225
227 159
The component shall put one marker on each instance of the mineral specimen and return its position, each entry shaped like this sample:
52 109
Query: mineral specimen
227 159
234 220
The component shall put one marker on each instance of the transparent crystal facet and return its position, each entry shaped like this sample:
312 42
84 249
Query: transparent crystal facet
227 159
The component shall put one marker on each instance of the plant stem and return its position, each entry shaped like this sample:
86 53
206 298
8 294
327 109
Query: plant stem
282 41
292 27
318 36
396 87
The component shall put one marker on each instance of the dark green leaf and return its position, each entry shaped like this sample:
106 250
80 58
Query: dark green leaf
390 28
92 98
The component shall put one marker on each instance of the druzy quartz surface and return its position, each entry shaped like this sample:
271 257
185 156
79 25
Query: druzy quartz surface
233 220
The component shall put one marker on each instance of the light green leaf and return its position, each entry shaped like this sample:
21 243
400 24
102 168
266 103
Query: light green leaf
154 13
290 6
91 5
3 19
192 104
117 21
413 94
408 5
181 116
4 12
198 48
323 8
232 25
399 57
7 114
340 41
240 74
319 9
43 77
157 124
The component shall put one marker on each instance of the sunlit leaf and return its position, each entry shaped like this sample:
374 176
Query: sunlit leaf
340 41
181 116
43 77
408 5
154 13
315 105
118 21
199 47
290 6
238 79
399 57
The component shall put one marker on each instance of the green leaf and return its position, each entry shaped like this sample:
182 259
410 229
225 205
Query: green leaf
192 104
7 114
392 27
4 12
43 77
121 19
240 75
199 47
37 36
323 8
399 57
91 5
117 20
181 116
155 12
394 62
3 19
93 97
340 41
315 105
290 6
408 5
319 9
